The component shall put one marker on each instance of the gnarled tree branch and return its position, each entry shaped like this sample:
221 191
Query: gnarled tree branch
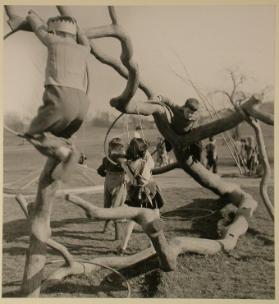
166 168
266 167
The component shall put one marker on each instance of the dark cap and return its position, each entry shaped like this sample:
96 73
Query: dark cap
192 103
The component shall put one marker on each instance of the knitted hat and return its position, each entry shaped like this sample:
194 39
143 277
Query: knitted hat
64 24
192 103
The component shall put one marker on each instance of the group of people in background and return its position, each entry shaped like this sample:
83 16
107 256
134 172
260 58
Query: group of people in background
246 147
249 154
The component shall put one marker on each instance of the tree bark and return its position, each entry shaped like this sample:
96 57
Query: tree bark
39 231
266 167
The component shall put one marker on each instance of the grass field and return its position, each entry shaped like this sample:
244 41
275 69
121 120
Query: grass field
247 272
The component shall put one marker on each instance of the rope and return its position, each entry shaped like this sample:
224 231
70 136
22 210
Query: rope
14 132
180 218
106 137
141 128
26 177
127 128
120 115
104 266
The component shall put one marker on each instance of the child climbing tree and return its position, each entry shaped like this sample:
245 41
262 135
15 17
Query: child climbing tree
165 251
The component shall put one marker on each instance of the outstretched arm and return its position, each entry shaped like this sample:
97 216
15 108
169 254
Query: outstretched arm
15 21
38 26
82 38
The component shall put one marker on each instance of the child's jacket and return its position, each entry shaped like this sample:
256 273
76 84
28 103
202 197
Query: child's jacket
142 189
67 61
108 166
179 124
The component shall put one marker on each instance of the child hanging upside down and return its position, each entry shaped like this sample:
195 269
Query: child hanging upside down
142 190
65 102
114 186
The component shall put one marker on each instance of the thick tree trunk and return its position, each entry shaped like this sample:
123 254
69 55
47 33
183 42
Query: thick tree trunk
40 231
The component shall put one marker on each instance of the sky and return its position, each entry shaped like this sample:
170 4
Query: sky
208 40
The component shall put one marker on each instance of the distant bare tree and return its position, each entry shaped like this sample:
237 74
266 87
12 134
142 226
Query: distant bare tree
237 95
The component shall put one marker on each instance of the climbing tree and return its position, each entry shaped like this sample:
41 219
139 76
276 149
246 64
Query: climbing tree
165 251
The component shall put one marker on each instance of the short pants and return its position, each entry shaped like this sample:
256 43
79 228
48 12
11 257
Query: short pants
62 112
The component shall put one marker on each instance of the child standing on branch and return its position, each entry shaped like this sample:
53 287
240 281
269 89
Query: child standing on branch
65 102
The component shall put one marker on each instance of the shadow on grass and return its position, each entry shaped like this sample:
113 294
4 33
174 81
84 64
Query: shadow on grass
14 230
202 214
72 288
82 235
267 241
18 230
83 285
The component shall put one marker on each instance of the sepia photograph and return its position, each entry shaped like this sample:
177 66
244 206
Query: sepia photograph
138 151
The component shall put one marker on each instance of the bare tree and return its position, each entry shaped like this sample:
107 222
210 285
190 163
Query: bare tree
165 251
237 95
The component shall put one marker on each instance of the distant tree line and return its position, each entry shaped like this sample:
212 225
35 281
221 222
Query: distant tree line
105 119
101 119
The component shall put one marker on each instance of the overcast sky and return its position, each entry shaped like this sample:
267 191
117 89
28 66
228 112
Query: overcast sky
208 39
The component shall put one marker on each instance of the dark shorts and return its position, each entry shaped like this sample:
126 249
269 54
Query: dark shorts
62 112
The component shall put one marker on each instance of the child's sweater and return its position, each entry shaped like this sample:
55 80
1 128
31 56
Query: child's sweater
140 168
67 60
107 167
179 123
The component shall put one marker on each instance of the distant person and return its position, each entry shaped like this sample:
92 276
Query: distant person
243 153
238 150
211 155
137 133
252 155
82 159
161 155
238 146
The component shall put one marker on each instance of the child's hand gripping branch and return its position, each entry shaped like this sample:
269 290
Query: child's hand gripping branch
15 21
65 102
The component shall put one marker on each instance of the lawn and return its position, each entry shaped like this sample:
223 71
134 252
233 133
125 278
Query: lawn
246 272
